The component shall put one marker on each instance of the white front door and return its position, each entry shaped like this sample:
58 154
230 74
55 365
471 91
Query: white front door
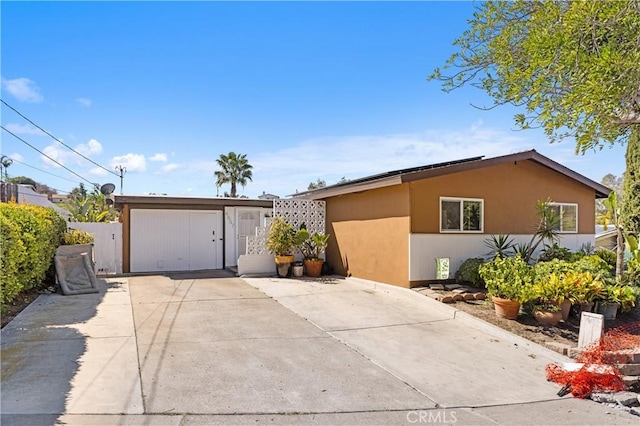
248 220
205 240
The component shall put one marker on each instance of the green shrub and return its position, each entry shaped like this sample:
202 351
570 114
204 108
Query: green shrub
14 255
607 255
554 251
556 266
468 272
30 236
509 278
77 236
596 265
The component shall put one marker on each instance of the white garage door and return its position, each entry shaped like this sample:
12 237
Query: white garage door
175 240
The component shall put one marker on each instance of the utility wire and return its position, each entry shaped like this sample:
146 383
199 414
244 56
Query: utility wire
40 170
58 140
36 149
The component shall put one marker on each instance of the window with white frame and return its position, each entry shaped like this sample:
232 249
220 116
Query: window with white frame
568 216
461 214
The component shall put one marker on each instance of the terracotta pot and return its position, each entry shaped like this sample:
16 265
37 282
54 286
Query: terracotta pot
313 268
565 309
283 265
506 308
548 317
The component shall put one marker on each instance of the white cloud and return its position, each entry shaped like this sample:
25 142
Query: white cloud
23 129
93 147
16 157
168 168
84 102
98 172
22 89
65 156
161 156
133 162
282 172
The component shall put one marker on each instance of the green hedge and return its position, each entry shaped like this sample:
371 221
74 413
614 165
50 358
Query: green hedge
30 235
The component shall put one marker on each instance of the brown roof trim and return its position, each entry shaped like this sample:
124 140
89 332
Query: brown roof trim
418 173
350 188
154 200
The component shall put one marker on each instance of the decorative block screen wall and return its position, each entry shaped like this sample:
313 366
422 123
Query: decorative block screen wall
296 212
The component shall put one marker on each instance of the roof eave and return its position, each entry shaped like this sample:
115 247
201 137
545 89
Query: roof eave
333 191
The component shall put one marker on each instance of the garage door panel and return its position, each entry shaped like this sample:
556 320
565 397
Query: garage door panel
174 240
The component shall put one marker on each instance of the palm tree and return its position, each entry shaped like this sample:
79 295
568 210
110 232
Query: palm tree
5 162
235 169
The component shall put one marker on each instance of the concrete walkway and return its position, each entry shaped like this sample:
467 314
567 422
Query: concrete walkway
194 349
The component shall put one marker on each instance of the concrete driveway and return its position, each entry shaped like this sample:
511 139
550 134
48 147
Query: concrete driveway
212 349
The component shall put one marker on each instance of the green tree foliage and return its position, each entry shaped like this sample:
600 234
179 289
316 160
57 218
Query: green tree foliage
613 211
573 65
603 215
22 180
234 169
78 192
92 207
630 209
29 235
317 184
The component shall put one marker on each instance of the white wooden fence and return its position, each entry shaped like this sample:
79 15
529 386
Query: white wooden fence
107 245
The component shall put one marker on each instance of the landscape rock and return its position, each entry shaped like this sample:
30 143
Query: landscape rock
436 286
469 296
458 298
452 286
558 347
479 296
628 399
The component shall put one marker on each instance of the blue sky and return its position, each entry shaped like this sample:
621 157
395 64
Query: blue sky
306 90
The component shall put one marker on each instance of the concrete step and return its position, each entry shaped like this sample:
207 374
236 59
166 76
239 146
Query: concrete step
629 369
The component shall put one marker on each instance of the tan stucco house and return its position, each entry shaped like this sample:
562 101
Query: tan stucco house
391 227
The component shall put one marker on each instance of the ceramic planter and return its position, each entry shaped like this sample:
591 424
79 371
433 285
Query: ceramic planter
565 309
283 266
586 307
298 270
548 317
506 308
608 309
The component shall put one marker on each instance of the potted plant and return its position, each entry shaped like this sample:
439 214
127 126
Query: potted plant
586 288
614 297
546 293
547 313
312 247
281 241
509 282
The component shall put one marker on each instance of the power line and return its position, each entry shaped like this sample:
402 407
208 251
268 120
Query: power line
40 170
50 187
57 140
36 149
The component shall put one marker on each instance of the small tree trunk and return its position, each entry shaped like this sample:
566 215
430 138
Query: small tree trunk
233 189
620 254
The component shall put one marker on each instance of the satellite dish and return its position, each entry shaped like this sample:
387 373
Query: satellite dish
107 188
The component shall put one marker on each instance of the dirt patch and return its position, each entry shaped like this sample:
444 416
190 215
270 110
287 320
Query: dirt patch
18 304
566 332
